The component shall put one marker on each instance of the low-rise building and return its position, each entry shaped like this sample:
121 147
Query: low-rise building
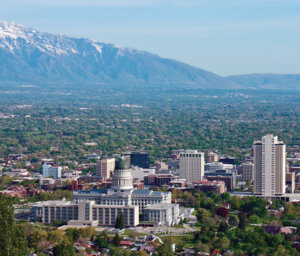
178 183
206 186
85 212
50 171
162 214
158 180
290 179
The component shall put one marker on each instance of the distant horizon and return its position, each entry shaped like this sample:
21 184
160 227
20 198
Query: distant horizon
232 38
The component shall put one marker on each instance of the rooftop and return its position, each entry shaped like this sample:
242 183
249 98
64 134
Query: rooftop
58 202
98 191
159 206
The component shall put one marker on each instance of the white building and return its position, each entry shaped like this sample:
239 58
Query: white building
105 167
122 193
139 173
49 171
269 166
84 213
162 214
215 166
191 165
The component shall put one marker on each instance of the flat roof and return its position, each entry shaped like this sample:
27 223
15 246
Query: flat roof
57 202
159 206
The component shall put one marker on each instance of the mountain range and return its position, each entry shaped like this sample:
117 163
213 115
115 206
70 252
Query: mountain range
32 57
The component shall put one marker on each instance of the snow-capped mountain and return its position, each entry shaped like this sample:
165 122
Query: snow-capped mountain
30 56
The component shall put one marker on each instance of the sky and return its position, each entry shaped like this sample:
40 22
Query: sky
227 37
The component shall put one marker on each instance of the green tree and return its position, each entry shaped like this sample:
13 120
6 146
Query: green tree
64 249
55 236
19 242
242 221
235 203
223 227
12 237
221 243
122 224
202 214
73 234
233 220
225 196
36 237
139 253
87 232
101 242
118 252
202 248
116 240
120 221
165 249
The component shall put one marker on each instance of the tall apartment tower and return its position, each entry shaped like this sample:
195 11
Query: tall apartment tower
105 167
191 165
269 166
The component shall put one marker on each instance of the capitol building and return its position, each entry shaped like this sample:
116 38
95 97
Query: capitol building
100 207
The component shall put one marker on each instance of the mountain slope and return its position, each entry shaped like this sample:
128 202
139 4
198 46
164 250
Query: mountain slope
29 56
268 81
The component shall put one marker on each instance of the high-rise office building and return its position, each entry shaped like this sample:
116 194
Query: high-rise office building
191 165
269 166
105 167
247 171
140 159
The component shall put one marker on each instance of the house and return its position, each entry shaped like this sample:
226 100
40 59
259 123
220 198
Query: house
287 230
202 254
228 253
188 252
282 230
126 243
274 213
215 253
148 249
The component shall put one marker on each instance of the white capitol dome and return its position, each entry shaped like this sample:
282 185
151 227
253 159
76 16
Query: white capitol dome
122 180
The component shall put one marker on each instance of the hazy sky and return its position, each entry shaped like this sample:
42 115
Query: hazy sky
223 36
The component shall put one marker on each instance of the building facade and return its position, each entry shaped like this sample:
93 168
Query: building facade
140 159
269 166
105 167
162 214
158 180
212 157
191 165
84 212
206 186
50 171
247 171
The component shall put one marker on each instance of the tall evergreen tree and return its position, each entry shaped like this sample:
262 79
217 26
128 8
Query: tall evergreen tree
12 238
120 221
122 225
117 224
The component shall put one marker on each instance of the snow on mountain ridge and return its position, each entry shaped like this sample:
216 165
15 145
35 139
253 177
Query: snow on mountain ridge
35 57
13 36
